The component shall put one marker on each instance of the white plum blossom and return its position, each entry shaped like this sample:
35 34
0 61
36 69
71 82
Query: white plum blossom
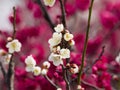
14 46
118 59
49 2
55 40
46 64
56 59
59 28
37 71
68 36
44 71
65 53
30 62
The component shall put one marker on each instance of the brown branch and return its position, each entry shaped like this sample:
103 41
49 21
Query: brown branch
99 57
14 23
2 69
10 73
51 82
85 43
91 85
63 13
66 78
46 15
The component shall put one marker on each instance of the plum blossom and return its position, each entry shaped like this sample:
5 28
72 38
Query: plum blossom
118 59
55 40
37 71
14 46
65 53
49 3
46 64
30 62
56 59
68 36
59 28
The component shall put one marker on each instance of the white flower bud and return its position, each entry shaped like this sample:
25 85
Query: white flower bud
55 40
65 53
118 59
56 59
37 71
7 58
68 36
9 39
59 28
59 89
13 46
74 69
80 88
49 2
44 71
2 52
46 64
72 42
30 62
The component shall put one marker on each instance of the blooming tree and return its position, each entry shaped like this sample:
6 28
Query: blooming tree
53 46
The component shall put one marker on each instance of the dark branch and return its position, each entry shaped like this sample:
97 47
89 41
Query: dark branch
45 14
85 44
51 82
99 57
2 69
91 85
63 13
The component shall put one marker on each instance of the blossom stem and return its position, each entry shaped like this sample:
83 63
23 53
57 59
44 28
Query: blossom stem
85 44
66 78
14 23
10 73
2 69
46 15
51 82
63 13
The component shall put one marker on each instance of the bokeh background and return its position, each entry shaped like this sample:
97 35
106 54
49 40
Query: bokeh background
33 31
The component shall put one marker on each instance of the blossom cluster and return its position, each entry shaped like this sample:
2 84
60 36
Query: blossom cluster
59 51
31 66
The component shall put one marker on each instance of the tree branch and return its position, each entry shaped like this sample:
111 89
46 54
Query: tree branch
46 15
86 41
99 57
91 85
2 69
63 13
53 84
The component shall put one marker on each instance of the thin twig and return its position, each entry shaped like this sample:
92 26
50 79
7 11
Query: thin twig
10 73
14 23
66 78
46 15
51 82
2 69
85 44
63 13
99 57
91 85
